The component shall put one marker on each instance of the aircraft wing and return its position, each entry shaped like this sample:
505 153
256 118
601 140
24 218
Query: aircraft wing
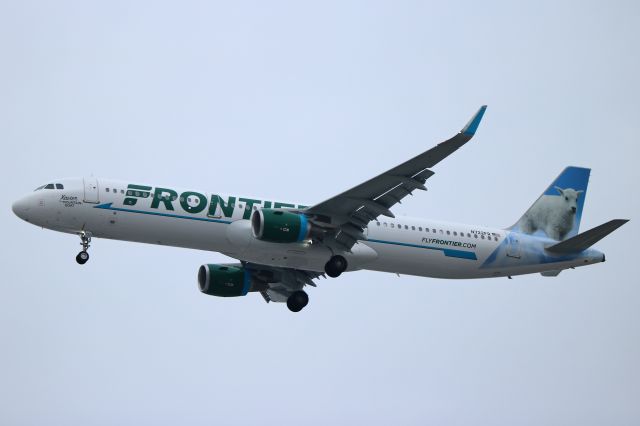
278 283
350 212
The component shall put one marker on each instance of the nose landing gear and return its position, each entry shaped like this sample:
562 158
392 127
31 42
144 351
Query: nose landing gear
83 256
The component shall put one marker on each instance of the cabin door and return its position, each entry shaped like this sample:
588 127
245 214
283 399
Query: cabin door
513 246
91 190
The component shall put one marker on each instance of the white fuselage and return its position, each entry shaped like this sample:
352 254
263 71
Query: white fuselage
215 222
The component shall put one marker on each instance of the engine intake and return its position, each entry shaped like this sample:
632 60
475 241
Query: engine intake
224 280
279 226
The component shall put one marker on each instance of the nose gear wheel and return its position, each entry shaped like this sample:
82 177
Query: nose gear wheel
85 242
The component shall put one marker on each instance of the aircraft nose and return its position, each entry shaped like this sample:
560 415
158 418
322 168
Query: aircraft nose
20 208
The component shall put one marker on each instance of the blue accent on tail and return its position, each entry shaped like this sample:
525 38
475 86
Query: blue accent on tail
571 177
557 212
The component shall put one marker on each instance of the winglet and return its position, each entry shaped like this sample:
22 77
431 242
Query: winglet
472 125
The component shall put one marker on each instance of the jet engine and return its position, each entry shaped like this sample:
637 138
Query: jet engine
227 280
279 226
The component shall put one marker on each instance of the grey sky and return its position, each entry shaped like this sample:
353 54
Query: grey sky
301 101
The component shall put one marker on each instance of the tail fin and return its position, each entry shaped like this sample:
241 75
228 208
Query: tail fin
557 212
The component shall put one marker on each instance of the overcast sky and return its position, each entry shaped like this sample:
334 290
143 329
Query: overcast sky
301 101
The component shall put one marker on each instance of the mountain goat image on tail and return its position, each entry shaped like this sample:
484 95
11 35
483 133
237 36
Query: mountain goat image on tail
552 214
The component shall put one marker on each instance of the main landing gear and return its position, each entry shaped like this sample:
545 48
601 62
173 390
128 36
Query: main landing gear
297 301
83 256
335 266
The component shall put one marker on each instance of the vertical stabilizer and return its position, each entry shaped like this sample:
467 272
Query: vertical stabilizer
557 212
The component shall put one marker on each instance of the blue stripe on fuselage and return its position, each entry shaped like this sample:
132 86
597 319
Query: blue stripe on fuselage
460 254
108 206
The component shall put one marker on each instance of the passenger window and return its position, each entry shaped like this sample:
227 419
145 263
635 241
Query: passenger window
434 231
385 224
122 191
448 233
420 228
468 235
441 231
106 189
475 235
406 227
455 233
392 225
378 223
482 236
495 238
59 186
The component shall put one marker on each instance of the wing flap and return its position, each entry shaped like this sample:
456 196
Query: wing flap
280 282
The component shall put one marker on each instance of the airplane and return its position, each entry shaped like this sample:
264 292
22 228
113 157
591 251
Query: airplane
282 247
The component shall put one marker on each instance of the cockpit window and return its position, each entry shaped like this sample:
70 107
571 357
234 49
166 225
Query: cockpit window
50 186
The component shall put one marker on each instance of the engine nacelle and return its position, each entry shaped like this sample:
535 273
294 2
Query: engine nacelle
224 280
279 226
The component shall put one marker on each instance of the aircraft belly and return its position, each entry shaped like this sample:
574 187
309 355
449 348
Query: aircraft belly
311 257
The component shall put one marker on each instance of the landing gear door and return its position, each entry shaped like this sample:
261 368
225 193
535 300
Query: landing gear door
513 246
91 190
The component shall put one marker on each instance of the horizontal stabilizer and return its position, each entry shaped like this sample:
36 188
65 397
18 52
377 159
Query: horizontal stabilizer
586 239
